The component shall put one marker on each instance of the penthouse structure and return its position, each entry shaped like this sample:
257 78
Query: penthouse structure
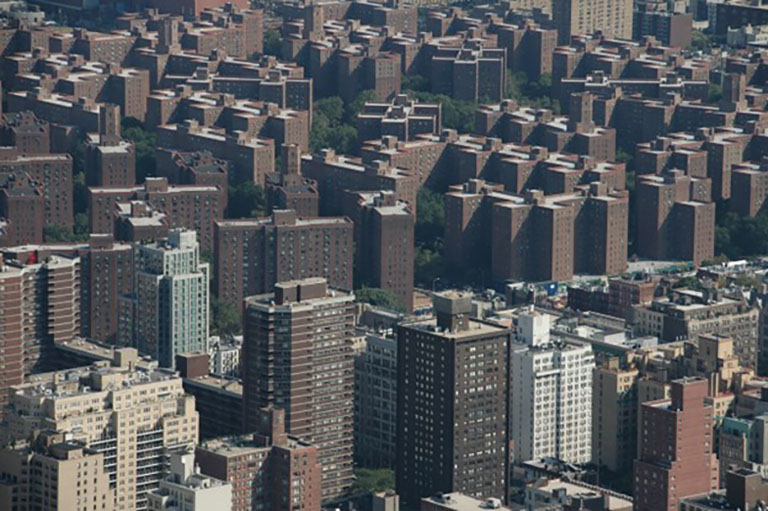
402 118
252 255
660 482
455 419
169 305
676 218
337 174
95 405
384 230
275 361
184 206
266 469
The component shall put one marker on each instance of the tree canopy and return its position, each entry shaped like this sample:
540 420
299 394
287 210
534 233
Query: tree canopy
380 298
246 200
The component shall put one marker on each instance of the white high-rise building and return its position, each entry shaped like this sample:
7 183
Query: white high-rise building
550 394
170 298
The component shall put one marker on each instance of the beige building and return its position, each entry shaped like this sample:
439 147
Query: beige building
67 476
614 416
130 411
584 17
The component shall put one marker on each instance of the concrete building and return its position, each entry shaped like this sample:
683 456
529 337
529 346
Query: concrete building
304 333
170 302
375 399
675 454
252 255
267 470
66 476
742 443
452 404
550 394
583 17
186 489
130 412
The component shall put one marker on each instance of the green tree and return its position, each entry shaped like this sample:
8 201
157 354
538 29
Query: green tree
225 318
354 107
145 143
273 44
330 109
380 298
700 41
715 93
246 200
430 216
373 480
415 83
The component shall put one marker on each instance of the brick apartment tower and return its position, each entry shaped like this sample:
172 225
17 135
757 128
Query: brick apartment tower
452 404
384 230
297 355
675 458
285 467
109 160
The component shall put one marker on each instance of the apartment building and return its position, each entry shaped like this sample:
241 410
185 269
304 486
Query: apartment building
576 17
452 404
252 255
550 394
268 469
128 411
304 332
170 302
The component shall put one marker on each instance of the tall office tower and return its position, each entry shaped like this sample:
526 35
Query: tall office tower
187 489
170 298
268 469
376 399
614 416
452 404
297 355
39 307
66 476
550 394
675 458
583 17
129 411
